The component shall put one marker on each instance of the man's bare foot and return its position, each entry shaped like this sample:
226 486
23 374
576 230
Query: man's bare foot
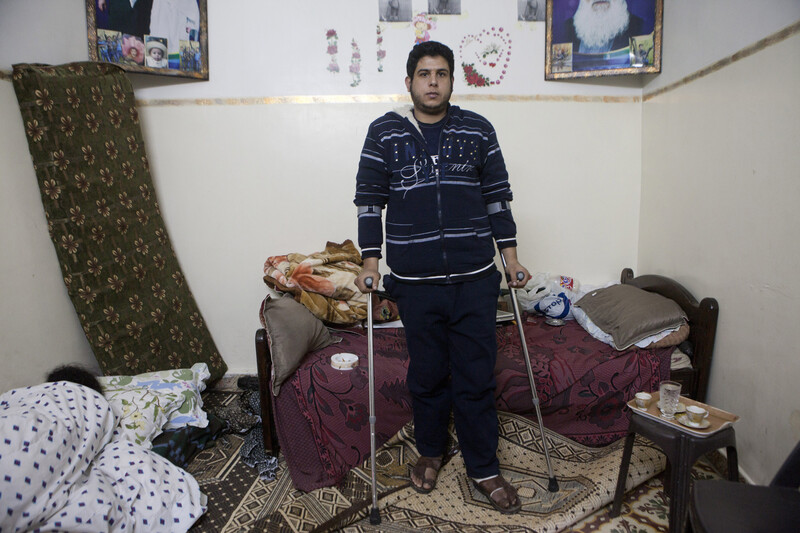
424 474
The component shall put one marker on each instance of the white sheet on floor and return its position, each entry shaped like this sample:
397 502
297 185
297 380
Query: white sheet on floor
59 469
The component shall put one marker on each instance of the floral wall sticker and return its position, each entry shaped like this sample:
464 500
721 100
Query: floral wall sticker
333 49
381 53
355 63
485 57
422 24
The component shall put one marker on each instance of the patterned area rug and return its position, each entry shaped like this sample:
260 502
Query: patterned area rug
240 501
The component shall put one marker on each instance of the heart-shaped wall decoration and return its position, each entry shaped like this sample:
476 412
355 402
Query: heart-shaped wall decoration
485 57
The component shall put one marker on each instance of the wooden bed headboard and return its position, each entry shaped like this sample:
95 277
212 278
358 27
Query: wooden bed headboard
702 328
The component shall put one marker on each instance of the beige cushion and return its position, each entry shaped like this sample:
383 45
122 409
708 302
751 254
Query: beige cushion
292 332
673 339
630 314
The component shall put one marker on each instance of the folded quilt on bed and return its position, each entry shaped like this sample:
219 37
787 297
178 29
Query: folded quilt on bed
582 385
324 281
62 471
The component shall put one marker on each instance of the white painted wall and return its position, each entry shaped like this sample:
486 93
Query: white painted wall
698 34
239 182
720 184
580 171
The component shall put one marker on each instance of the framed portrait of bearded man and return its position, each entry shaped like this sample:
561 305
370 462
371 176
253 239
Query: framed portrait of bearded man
587 38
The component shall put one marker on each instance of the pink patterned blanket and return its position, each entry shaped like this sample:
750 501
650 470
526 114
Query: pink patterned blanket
583 384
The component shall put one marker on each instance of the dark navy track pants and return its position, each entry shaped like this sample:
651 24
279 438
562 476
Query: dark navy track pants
450 331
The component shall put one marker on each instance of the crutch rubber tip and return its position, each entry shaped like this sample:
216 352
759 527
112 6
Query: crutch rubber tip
374 516
552 486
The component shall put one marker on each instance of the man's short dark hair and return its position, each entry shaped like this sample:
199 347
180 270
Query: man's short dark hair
75 374
429 49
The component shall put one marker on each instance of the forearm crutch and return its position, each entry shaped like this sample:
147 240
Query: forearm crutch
552 486
374 514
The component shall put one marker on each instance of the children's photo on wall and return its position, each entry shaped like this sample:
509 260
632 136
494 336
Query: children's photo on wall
132 49
156 52
444 7
394 10
145 35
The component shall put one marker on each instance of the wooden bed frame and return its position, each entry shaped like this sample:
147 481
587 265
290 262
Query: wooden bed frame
703 328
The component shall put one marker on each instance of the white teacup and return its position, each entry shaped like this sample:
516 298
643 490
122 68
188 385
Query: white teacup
696 414
643 399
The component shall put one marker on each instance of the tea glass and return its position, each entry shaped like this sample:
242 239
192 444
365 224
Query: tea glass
669 397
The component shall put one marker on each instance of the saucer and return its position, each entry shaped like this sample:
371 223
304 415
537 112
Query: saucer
681 408
684 421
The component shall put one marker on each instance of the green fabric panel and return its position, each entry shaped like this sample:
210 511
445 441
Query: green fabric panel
121 273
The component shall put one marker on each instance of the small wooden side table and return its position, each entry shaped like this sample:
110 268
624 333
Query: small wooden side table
683 446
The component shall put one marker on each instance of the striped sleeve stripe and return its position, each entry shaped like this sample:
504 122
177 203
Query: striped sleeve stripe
393 135
368 156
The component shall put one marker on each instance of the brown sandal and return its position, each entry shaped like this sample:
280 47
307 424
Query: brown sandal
499 491
420 471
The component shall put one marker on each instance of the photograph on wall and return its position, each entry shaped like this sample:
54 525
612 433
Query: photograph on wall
394 10
164 37
444 7
190 56
602 38
531 10
155 52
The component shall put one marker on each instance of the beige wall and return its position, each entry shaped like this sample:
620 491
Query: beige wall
241 176
238 183
706 168
720 187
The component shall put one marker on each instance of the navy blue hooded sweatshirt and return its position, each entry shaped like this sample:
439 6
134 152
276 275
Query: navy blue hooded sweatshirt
438 223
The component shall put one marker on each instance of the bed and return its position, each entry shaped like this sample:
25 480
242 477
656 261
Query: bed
319 419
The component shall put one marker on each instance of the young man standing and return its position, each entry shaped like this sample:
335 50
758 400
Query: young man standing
439 172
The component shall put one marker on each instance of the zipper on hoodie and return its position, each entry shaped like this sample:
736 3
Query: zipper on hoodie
437 166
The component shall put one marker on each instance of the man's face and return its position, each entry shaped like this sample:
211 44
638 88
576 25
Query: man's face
431 87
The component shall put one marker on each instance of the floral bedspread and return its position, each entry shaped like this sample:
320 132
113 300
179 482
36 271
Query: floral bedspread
324 281
582 384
